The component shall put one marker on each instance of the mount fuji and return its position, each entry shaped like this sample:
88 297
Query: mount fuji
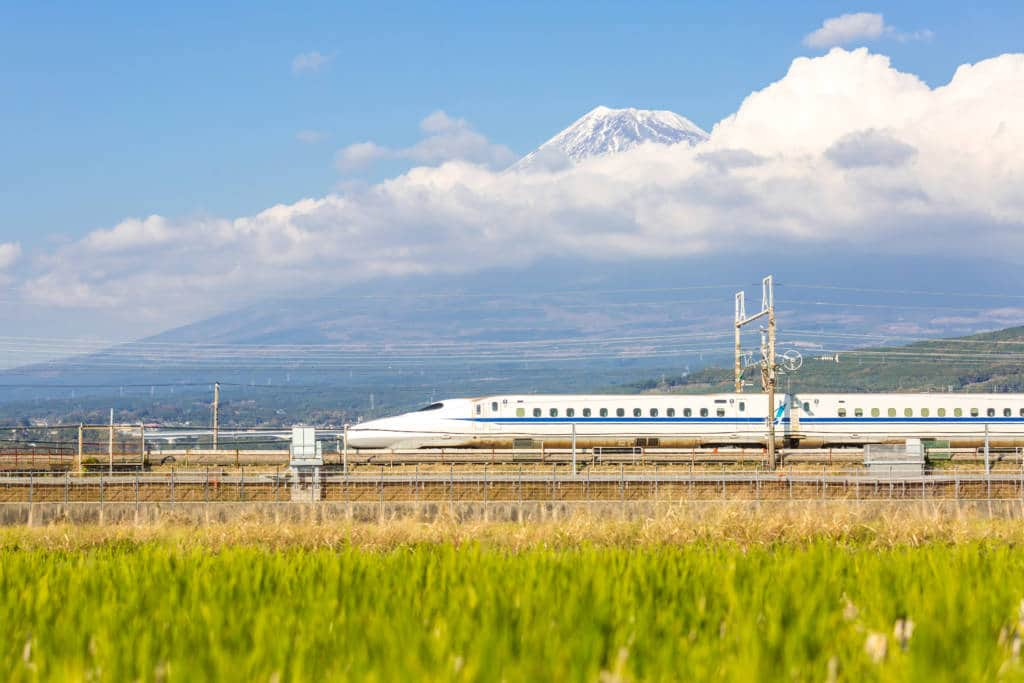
604 131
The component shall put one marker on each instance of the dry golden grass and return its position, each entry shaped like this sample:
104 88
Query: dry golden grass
741 524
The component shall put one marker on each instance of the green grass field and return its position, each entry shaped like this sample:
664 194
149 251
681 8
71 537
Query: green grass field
729 600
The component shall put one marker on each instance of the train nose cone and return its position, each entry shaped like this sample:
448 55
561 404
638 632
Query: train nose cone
361 437
374 434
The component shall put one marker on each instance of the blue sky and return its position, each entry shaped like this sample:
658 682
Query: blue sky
113 110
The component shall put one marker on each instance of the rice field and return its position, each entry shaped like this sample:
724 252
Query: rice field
729 596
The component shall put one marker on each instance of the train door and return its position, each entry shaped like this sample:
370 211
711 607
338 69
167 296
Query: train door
494 410
790 417
725 410
741 411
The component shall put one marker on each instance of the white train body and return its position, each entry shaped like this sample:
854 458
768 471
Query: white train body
678 420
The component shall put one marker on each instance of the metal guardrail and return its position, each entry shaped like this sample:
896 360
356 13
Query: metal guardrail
634 456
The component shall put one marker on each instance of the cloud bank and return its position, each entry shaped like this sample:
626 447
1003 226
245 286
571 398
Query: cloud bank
842 150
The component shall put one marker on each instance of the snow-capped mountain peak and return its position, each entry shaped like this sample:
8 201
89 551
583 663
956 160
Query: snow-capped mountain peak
603 131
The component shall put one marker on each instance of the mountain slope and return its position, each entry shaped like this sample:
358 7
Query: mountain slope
986 362
604 131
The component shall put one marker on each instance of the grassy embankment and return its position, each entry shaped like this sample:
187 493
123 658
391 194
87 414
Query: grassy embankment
794 595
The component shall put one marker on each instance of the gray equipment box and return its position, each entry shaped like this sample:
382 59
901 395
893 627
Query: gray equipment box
895 460
305 450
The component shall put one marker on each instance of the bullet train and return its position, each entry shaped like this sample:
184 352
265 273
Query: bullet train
676 420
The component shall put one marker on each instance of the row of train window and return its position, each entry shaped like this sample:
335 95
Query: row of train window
926 412
720 412
619 412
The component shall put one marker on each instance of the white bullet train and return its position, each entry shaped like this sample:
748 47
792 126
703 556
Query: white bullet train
677 420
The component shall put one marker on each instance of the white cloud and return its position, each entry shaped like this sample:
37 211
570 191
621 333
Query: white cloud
131 233
847 28
858 27
309 61
445 139
844 150
440 122
9 254
360 155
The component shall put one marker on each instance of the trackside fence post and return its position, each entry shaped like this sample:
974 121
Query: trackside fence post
553 483
574 449
622 483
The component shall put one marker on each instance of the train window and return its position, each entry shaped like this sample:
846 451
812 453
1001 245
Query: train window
807 407
858 412
637 412
974 412
604 412
479 408
654 412
432 406
553 412
925 412
687 412
991 412
842 412
570 412
941 412
494 406
536 412
620 412
958 412
892 412
875 412
671 412
720 412
1007 412
520 412
908 412
743 406
586 412
703 412
1022 412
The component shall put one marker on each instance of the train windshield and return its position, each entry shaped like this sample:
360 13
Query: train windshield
432 406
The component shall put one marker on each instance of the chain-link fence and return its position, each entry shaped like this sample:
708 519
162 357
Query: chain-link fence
510 484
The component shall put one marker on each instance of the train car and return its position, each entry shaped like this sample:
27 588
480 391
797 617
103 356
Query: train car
965 420
678 420
597 420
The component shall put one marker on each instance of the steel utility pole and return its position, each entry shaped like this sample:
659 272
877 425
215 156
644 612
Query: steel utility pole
110 443
741 314
768 367
216 412
81 444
